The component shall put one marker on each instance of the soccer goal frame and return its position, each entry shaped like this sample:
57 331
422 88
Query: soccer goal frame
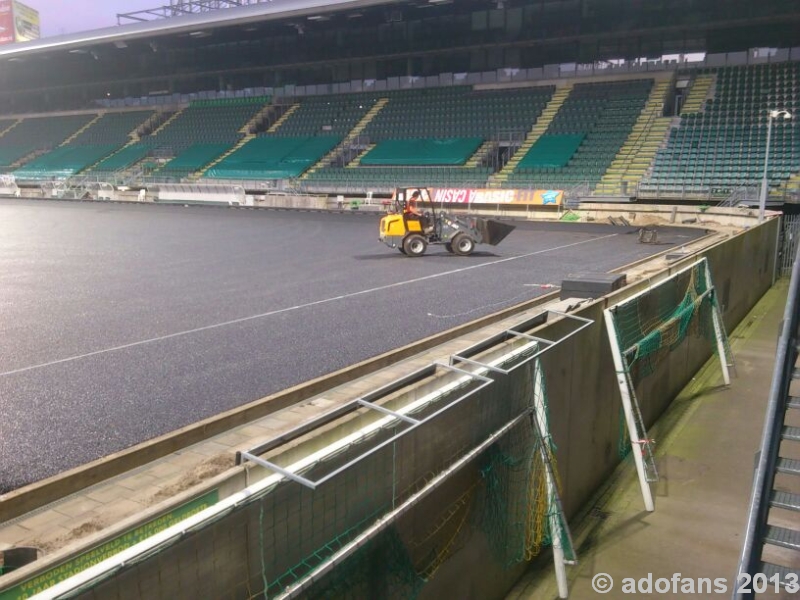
641 445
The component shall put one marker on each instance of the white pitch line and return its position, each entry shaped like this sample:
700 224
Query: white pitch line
297 307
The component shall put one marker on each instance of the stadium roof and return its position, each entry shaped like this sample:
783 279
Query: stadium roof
231 17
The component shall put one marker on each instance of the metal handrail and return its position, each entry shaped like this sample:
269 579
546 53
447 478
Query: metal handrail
763 481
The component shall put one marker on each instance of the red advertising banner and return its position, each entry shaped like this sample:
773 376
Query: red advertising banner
480 196
6 22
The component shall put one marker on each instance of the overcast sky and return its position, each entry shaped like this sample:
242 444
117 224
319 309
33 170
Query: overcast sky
68 16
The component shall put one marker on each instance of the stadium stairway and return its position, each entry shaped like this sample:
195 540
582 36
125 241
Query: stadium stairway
283 118
28 157
639 150
719 145
133 138
357 160
198 174
497 180
791 187
698 94
354 133
75 135
476 159
151 125
168 122
258 118
91 167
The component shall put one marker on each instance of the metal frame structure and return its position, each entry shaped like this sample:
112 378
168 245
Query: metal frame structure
178 8
768 458
367 402
536 412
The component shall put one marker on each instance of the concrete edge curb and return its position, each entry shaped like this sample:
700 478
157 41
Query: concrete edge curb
41 493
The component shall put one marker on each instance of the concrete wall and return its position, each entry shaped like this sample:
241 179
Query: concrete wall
226 558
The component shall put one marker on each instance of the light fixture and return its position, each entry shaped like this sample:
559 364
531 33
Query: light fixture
762 200
776 113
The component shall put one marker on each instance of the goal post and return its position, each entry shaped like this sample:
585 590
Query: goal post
644 330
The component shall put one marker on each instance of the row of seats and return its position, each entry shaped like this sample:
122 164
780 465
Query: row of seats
273 158
451 151
600 116
206 122
63 162
443 126
724 145
390 177
112 129
326 115
193 159
458 112
100 139
38 134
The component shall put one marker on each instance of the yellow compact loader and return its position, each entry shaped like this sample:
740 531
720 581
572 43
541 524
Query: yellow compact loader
412 233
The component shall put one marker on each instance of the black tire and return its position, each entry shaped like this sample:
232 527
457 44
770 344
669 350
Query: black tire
415 245
463 245
449 247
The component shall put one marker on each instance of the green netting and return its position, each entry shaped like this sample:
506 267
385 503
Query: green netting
656 323
516 509
651 326
551 151
273 158
382 568
452 151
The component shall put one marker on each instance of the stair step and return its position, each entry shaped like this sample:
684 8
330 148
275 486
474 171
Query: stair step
791 433
794 402
783 573
788 465
785 500
795 373
780 536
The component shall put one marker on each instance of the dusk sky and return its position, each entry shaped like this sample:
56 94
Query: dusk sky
69 16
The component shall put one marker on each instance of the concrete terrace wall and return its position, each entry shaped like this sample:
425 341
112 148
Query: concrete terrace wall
224 559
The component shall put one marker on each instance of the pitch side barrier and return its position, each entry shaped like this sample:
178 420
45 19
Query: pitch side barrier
584 420
200 193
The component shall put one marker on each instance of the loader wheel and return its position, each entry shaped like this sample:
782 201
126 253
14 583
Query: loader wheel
449 247
463 245
415 245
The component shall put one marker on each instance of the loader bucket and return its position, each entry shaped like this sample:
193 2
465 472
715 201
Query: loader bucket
493 232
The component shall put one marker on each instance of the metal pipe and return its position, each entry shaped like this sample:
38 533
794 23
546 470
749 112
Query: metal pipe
340 556
762 200
764 479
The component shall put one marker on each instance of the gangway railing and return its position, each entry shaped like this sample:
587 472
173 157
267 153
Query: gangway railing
754 572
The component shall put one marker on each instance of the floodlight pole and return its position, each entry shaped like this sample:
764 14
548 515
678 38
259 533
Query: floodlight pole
762 200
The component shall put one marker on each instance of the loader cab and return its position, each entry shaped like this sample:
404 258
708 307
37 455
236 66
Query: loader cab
403 196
